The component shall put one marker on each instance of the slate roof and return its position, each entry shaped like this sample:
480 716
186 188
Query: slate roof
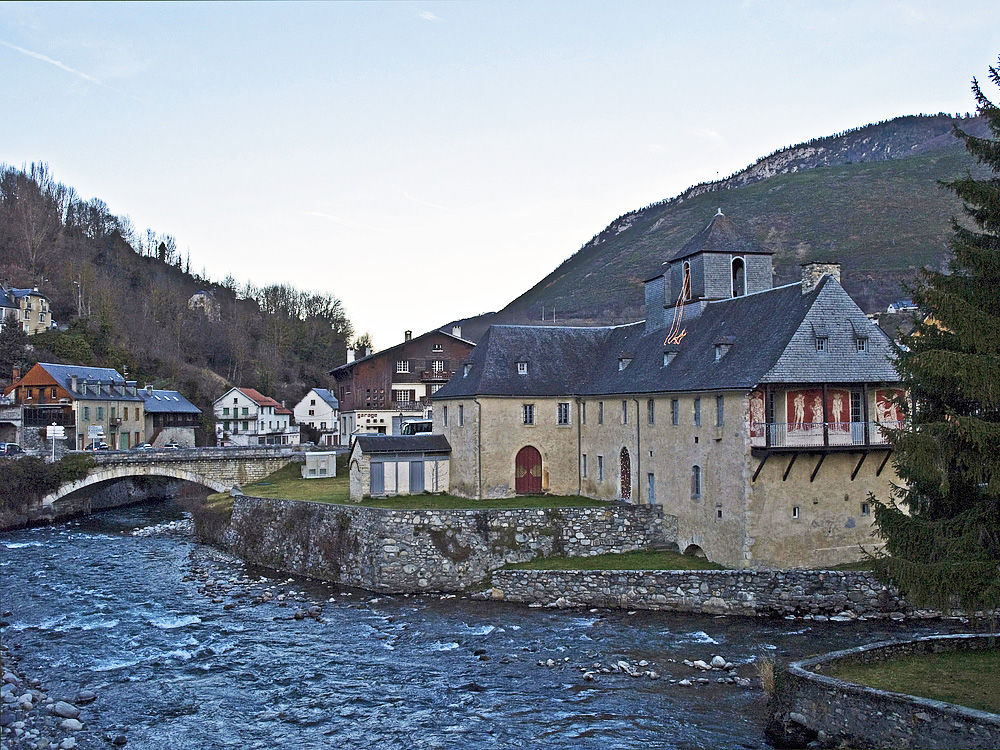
62 374
328 397
167 402
720 236
769 336
261 400
372 444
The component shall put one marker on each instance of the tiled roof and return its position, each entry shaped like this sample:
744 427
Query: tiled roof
327 397
63 374
372 444
720 236
167 402
383 352
767 337
261 400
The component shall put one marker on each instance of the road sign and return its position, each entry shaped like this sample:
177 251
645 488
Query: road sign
55 432
95 431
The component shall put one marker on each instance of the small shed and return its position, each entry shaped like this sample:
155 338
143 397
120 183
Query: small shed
320 464
386 465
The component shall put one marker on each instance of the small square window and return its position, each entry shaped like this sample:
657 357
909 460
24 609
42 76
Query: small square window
522 368
403 365
866 509
795 511
862 345
821 343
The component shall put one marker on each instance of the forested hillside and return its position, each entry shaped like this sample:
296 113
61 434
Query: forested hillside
869 198
124 297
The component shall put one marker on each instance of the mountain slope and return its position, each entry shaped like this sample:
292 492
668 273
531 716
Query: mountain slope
868 198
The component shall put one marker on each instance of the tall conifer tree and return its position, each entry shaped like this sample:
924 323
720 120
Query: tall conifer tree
945 549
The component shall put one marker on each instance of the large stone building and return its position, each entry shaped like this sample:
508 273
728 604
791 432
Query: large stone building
753 414
28 308
377 392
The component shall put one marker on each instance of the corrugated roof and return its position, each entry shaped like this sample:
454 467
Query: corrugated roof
372 444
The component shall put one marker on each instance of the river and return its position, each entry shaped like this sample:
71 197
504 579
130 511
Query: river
172 637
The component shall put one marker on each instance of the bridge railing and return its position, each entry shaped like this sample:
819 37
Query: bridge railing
195 454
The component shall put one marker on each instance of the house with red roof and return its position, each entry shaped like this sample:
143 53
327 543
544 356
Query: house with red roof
244 416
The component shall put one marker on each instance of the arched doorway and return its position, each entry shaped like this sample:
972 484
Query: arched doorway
693 550
528 471
626 475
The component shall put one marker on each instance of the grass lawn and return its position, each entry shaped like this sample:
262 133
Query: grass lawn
287 483
645 560
968 678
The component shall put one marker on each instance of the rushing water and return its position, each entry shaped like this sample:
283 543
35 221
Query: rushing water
94 606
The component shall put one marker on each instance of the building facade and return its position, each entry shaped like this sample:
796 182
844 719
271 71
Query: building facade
95 404
756 415
28 308
379 391
320 410
244 416
170 417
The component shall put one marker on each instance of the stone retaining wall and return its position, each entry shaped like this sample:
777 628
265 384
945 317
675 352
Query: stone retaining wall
841 712
767 593
429 550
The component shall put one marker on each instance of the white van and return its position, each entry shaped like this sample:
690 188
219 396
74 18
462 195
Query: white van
416 426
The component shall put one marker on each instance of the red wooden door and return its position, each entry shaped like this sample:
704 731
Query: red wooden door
528 471
626 475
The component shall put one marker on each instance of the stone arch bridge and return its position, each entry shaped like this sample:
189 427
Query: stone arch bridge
218 469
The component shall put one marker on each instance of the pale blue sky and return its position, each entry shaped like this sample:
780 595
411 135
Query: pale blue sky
429 161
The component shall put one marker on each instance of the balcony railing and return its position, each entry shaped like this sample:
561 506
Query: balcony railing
436 375
820 434
35 416
407 406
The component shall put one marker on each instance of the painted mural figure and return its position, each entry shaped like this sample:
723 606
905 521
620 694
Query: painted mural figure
817 411
800 409
838 409
886 409
757 414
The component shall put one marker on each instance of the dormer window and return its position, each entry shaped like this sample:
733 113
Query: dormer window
822 343
822 337
739 277
466 369
721 350
522 368
862 344
668 356
624 362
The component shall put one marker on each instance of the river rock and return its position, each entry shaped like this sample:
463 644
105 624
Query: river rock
71 725
700 664
65 710
119 740
718 662
86 696
68 744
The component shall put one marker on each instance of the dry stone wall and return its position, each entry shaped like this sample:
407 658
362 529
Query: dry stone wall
429 550
764 593
844 714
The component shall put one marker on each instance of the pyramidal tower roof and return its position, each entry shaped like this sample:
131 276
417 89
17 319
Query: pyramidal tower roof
720 236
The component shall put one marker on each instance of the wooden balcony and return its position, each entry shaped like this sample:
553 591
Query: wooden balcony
435 376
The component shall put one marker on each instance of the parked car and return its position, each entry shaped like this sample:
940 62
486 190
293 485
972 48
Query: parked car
143 447
171 446
98 446
10 449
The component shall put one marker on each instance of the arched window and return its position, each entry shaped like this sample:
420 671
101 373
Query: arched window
687 280
626 475
739 277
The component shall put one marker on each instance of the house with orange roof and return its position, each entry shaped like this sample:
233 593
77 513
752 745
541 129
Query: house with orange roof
244 416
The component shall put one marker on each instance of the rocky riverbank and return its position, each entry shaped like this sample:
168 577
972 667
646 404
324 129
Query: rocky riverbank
32 718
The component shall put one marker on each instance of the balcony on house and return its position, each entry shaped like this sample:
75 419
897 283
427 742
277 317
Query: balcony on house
791 435
435 376
43 416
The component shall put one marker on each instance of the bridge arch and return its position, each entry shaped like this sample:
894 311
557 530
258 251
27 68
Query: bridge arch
110 473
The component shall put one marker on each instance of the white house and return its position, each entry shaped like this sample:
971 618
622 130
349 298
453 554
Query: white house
320 410
244 416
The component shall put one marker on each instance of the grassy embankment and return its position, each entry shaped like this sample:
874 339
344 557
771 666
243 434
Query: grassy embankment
287 483
968 678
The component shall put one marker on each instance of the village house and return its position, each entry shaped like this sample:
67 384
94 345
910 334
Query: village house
320 410
94 404
170 417
755 415
244 416
378 392
29 308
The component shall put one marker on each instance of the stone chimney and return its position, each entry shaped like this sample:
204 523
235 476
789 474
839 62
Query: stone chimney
350 355
73 383
456 331
407 335
812 274
149 390
130 385
368 351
